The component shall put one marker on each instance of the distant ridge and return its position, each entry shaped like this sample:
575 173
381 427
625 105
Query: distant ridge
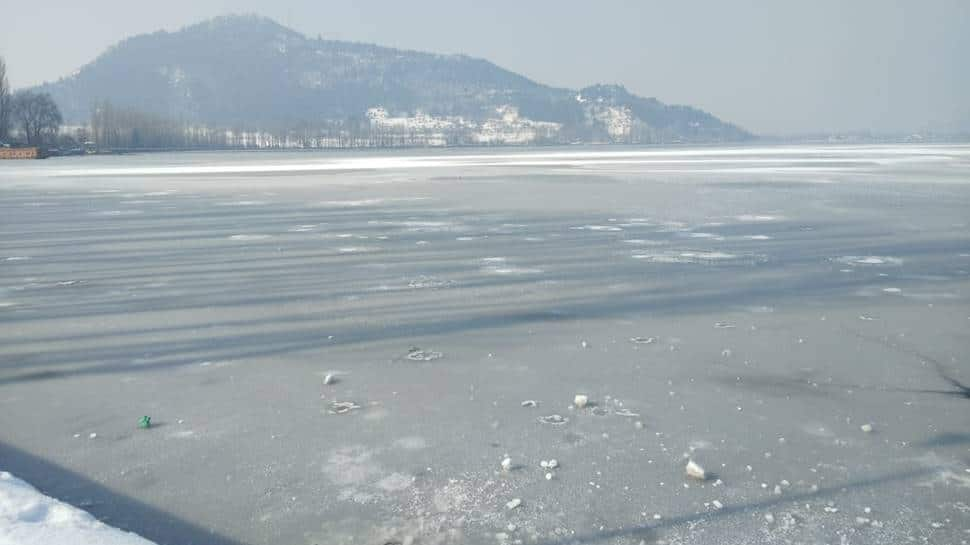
249 73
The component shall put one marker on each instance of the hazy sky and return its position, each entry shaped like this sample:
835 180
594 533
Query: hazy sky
772 66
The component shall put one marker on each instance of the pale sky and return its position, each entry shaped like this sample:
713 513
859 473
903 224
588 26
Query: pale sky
772 66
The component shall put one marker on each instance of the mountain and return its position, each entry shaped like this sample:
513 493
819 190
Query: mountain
246 72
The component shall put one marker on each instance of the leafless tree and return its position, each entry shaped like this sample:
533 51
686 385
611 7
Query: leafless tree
37 115
5 101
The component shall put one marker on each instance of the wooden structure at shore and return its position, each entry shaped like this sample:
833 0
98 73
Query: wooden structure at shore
20 153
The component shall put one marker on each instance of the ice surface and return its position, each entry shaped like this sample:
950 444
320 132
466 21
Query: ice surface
829 290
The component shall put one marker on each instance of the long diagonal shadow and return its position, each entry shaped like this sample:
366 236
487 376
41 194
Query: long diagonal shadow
649 531
960 389
115 508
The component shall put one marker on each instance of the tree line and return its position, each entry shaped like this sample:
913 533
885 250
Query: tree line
35 115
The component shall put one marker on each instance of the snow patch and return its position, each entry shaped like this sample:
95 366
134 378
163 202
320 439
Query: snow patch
28 517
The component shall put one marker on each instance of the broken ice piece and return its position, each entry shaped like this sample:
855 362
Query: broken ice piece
329 378
512 504
722 325
717 504
343 407
580 401
417 354
507 464
549 476
695 471
552 464
643 340
866 428
553 419
530 403
584 344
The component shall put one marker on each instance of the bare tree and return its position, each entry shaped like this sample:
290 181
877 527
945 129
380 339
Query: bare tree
5 101
37 115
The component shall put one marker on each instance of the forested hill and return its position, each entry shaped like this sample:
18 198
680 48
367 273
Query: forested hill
250 73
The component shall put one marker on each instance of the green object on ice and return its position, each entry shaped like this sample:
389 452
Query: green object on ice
145 422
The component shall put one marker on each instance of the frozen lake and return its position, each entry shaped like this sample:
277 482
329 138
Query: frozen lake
794 319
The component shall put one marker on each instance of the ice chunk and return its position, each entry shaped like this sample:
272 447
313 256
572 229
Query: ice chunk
418 354
695 471
343 407
554 419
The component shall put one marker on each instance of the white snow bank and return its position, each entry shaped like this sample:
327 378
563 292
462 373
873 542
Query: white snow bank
28 517
716 159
